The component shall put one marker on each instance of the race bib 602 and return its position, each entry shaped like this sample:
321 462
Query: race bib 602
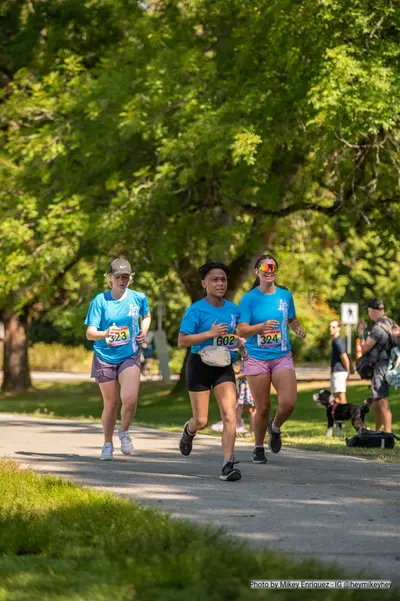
229 341
269 339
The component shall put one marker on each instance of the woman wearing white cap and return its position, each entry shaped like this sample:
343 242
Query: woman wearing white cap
113 323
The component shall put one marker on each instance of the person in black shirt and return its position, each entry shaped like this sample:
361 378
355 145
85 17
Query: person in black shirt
378 346
340 364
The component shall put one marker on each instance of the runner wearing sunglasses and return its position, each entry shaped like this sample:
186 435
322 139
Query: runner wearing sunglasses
266 314
210 324
113 324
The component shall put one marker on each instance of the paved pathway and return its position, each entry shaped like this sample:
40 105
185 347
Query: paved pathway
335 508
303 374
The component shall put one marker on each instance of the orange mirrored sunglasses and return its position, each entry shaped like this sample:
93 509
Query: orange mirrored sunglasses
268 267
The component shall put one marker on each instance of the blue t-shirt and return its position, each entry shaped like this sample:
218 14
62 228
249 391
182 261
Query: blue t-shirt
200 317
256 307
104 311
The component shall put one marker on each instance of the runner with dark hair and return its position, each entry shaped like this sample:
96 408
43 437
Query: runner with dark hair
266 314
208 327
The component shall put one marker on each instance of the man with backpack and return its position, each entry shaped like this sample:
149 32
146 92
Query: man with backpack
378 345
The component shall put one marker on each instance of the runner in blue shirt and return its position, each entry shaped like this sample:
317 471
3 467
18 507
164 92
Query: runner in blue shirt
266 314
209 327
113 323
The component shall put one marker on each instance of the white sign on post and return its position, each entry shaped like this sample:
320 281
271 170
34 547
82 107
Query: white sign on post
349 314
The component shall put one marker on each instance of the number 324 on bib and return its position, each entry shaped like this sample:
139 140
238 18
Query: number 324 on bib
269 339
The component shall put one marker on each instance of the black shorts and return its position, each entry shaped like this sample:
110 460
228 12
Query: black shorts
204 377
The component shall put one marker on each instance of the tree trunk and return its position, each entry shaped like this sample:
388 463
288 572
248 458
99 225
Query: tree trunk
180 386
191 281
16 367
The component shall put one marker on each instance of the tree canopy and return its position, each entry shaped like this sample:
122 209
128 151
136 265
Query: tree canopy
179 131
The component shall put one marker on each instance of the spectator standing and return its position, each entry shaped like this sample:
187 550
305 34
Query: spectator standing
378 346
340 363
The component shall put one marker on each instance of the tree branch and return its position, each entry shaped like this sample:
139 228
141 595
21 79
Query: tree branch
32 301
294 208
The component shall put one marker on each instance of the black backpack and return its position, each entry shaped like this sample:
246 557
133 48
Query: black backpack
372 440
364 367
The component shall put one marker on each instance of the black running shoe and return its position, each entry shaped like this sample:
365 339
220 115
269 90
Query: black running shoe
275 442
230 473
259 456
186 442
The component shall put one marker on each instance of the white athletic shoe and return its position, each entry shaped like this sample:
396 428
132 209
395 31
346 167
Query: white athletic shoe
126 443
218 427
242 430
107 452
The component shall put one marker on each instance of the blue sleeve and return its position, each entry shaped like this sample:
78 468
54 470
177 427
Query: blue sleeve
144 307
292 310
94 315
190 321
245 310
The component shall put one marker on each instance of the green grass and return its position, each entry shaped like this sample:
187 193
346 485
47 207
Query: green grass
160 409
65 542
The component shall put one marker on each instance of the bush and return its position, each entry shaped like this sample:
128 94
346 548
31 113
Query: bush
314 315
177 357
60 357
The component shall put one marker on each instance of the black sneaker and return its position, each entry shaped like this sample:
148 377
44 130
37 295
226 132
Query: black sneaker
186 442
275 442
259 456
230 473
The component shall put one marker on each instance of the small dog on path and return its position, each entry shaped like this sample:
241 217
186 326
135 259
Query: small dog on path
338 413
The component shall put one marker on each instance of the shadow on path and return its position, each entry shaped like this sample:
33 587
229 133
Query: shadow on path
337 508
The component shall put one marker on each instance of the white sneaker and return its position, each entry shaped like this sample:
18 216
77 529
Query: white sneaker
126 443
107 452
218 427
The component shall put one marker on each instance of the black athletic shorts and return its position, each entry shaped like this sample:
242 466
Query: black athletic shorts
204 377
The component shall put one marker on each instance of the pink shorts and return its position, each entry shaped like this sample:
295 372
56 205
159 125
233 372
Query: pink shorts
255 367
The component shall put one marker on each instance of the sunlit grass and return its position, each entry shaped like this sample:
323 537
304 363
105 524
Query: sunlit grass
65 542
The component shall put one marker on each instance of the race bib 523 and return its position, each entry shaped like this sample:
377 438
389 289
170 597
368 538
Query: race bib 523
269 339
229 341
123 337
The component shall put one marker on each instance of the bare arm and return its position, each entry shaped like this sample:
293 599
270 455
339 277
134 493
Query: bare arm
367 345
297 328
92 333
345 362
186 340
246 331
145 325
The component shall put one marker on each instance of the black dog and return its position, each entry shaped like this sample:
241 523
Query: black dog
338 413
